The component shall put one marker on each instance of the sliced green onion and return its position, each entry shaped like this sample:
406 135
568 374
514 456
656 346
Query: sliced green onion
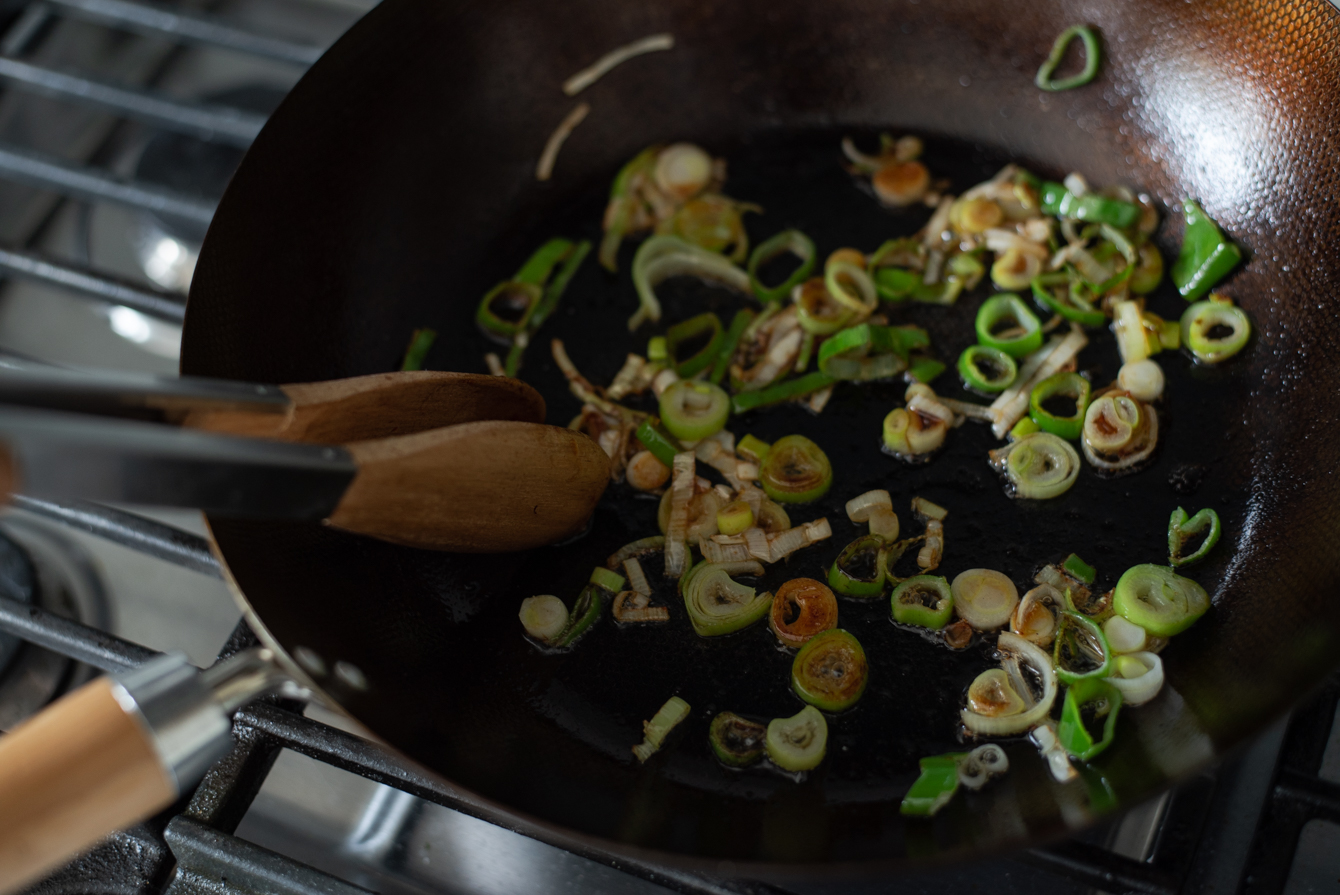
934 788
981 764
1143 379
1182 529
1017 657
798 743
734 518
713 222
719 605
693 410
662 446
1200 323
662 257
557 283
857 571
726 351
610 581
830 671
782 391
657 352
1114 425
925 369
544 617
640 547
1015 269
1092 58
1148 271
623 204
736 742
1059 202
506 309
590 603
419 343
1008 308
986 369
869 351
753 449
818 311
993 694
802 609
1068 304
851 286
1206 257
1080 650
1067 385
1139 677
910 435
1159 600
923 600
693 328
655 731
796 470
792 241
1038 466
1077 567
896 284
984 598
1087 703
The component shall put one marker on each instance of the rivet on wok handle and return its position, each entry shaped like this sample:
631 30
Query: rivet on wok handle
116 751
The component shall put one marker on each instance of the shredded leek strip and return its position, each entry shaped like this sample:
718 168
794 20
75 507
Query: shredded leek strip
419 343
602 66
681 492
654 731
662 257
544 169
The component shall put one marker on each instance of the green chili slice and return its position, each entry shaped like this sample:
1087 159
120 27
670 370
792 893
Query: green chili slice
1159 600
788 241
693 410
1092 59
1182 529
1091 705
419 343
590 603
1080 650
896 284
1064 385
1008 313
796 470
1206 257
857 572
737 742
1059 202
782 391
1215 329
726 350
1068 304
830 671
923 600
506 309
925 369
694 328
717 604
798 743
986 369
934 788
662 446
870 351
1077 567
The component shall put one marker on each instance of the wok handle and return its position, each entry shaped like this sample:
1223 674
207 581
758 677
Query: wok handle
81 769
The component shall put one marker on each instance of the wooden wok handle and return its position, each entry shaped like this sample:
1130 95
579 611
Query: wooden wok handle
81 769
381 405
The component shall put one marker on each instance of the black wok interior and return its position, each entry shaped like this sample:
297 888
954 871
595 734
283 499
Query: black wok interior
395 185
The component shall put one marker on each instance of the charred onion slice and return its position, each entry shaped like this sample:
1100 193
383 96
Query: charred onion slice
817 310
924 600
1038 466
719 605
801 609
1015 651
857 572
1159 600
958 635
1116 437
1081 651
796 470
736 742
1034 619
984 598
798 743
992 694
830 672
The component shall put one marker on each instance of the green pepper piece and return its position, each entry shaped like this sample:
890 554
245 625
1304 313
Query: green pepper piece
1059 202
830 671
896 284
1159 600
558 283
1182 529
1077 567
419 343
925 369
935 787
986 369
692 328
737 742
1069 385
792 241
1071 307
923 600
1088 697
540 265
726 351
1092 59
662 446
1006 308
590 603
1080 651
867 351
1206 257
1203 317
782 391
857 572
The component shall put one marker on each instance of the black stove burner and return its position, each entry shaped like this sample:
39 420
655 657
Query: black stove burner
18 582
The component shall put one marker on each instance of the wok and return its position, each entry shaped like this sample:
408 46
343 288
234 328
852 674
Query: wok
395 185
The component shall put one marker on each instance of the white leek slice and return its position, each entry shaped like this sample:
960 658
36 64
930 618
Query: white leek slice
544 617
1123 636
1143 687
984 598
654 731
1017 649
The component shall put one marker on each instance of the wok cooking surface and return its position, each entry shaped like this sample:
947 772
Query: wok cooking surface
453 682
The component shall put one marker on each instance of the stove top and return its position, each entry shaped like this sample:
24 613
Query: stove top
120 123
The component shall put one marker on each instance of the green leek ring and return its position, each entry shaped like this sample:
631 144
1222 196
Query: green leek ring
1008 307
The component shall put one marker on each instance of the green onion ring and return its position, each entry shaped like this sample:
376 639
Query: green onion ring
1003 308
662 257
1038 466
688 329
818 311
1069 309
1202 317
792 241
830 671
971 367
844 576
693 410
910 602
1159 600
737 742
1068 385
798 743
717 604
796 470
1092 59
1079 643
862 298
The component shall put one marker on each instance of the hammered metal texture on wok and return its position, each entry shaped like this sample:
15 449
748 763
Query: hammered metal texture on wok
395 185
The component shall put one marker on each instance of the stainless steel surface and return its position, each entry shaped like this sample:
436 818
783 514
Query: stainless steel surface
123 394
249 675
70 456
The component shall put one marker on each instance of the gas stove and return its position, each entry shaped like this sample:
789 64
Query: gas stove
120 124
